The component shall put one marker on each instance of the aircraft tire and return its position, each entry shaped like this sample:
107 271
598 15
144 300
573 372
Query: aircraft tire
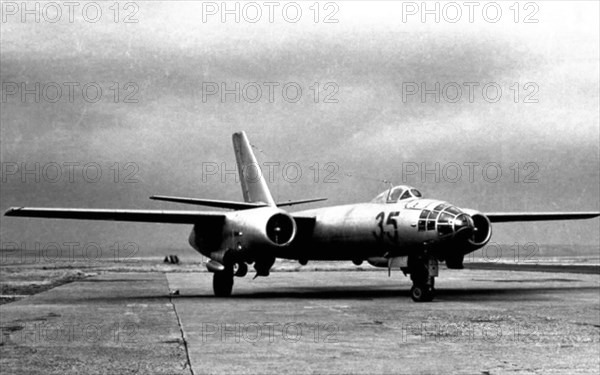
422 293
241 269
223 282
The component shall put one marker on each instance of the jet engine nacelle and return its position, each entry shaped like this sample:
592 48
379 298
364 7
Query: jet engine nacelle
261 227
483 230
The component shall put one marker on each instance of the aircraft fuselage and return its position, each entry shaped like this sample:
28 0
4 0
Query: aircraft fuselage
349 232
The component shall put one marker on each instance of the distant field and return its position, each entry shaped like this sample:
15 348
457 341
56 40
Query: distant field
130 252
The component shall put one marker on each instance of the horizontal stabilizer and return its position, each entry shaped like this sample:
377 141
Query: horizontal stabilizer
148 216
209 202
300 201
229 204
504 217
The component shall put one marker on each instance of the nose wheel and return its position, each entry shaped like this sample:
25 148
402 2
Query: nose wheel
422 273
422 292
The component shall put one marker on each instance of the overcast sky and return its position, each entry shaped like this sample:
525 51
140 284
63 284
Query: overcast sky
545 125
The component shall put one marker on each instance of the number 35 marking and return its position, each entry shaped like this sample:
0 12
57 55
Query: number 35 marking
391 220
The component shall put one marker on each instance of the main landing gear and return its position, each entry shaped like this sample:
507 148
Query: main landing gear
423 271
223 280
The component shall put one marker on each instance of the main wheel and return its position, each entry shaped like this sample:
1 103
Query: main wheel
240 269
422 293
223 282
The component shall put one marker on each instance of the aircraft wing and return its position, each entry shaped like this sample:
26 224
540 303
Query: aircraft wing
505 217
148 216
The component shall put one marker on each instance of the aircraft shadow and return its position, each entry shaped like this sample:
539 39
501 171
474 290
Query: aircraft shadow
362 293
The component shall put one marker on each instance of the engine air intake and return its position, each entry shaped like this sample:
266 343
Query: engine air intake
280 229
483 230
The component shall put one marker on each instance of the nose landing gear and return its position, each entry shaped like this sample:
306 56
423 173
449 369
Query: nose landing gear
423 271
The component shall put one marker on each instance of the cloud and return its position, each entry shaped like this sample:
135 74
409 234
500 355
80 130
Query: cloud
371 130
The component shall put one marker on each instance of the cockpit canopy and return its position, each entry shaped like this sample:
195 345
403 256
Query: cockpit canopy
397 193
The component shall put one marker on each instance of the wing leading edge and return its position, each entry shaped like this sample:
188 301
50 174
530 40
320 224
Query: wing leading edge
505 217
148 216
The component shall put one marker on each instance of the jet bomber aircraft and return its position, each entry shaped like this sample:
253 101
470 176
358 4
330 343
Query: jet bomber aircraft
397 229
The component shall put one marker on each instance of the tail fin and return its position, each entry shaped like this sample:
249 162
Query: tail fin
254 186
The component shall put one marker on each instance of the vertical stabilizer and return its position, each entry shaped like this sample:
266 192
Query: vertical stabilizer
254 186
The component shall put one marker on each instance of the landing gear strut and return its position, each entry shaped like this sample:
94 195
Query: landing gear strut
223 282
422 273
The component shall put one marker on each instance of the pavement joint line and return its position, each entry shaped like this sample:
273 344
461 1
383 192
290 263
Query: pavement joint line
185 345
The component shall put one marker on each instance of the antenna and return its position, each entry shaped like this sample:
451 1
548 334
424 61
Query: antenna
384 181
350 174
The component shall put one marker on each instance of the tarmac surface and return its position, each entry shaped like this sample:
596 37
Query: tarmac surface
481 322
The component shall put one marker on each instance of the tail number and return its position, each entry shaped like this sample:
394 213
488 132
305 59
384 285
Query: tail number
381 227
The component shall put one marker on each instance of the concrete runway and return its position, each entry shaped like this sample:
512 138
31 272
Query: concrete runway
482 322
